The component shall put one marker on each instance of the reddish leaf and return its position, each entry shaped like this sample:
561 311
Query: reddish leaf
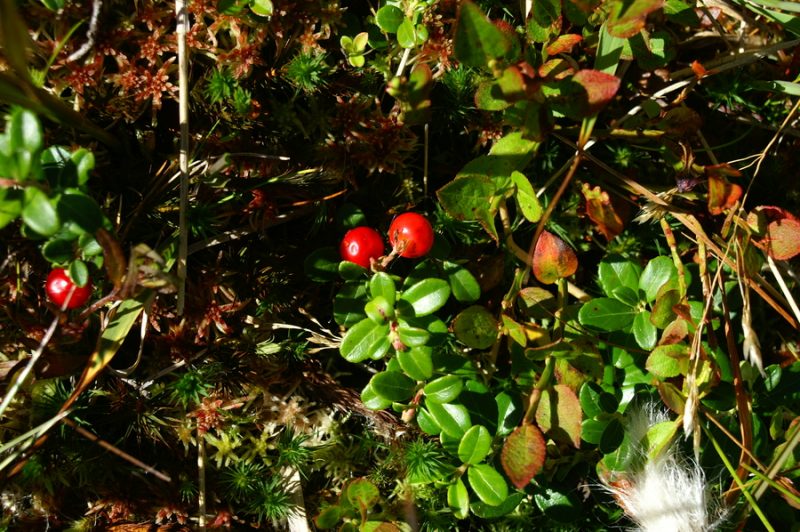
563 44
600 87
698 69
556 69
626 18
722 194
560 415
600 210
553 259
782 241
523 455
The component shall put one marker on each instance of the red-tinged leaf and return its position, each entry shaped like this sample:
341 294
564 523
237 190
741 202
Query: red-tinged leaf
782 241
601 211
600 87
563 44
511 85
698 69
559 414
626 18
553 259
556 69
722 194
523 455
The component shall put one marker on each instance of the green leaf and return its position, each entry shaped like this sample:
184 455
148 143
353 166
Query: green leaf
558 506
427 423
364 341
10 205
656 274
348 304
39 214
362 493
382 285
477 39
492 512
350 271
644 331
463 285
592 430
59 249
526 197
79 273
606 314
416 362
626 295
328 517
444 389
372 400
458 499
559 414
616 272
262 8
663 314
452 418
595 401
406 34
379 310
472 198
24 131
627 17
509 413
427 296
523 455
412 336
475 445
80 209
667 361
612 437
322 264
393 385
475 327
488 484
389 18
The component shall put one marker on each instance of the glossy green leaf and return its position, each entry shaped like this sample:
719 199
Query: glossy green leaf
458 498
24 131
615 272
379 310
363 340
475 327
444 389
79 273
472 198
39 213
59 250
667 361
557 506
388 18
393 386
350 271
427 423
509 413
348 304
453 418
606 314
595 401
523 455
656 274
427 296
644 332
322 265
406 34
626 295
262 8
372 400
477 39
382 285
526 198
592 430
412 336
663 314
612 436
492 512
416 362
10 205
488 484
463 285
475 445
81 210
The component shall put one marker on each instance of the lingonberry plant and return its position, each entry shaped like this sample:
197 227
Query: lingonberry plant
410 264
63 291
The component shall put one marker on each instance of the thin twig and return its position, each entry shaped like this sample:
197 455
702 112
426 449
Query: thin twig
116 450
183 161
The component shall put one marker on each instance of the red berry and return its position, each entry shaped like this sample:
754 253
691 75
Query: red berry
411 235
361 244
58 287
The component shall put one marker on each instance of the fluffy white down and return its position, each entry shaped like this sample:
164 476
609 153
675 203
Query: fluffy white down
666 495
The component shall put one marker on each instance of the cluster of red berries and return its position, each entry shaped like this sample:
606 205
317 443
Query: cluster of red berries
410 235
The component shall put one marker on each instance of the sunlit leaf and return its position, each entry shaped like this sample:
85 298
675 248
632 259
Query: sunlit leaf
553 259
523 455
